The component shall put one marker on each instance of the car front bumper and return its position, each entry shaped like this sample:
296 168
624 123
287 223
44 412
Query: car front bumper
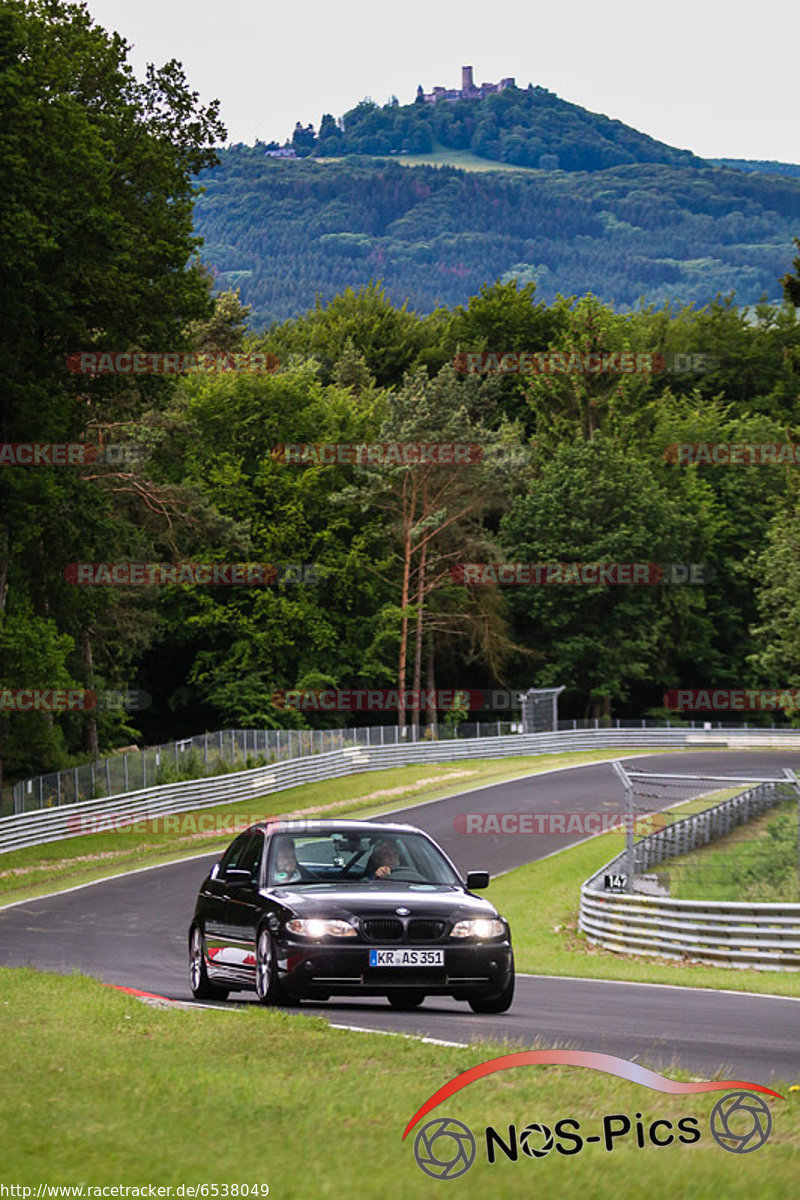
323 969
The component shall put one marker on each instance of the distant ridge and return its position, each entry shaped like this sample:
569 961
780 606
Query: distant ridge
758 166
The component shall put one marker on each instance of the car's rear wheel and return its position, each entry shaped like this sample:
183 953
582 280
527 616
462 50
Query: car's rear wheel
494 1004
406 1000
202 987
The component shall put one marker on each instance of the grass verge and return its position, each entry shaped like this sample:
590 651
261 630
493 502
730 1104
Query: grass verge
262 1097
758 862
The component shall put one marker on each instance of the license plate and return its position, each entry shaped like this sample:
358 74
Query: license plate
406 958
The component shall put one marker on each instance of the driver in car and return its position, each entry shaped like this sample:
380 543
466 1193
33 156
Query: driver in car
286 868
384 859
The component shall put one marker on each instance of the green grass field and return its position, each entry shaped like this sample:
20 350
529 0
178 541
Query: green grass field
465 159
101 1089
440 156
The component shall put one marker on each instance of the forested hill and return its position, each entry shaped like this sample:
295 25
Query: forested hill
530 127
285 232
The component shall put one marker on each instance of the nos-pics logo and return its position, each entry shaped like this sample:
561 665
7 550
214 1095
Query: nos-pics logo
445 1148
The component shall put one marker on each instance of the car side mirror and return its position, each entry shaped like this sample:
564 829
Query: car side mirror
477 880
237 877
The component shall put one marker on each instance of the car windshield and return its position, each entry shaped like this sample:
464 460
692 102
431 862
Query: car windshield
365 860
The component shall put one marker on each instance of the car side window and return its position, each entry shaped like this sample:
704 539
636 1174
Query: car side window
236 852
251 857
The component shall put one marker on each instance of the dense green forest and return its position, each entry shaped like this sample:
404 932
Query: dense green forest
287 232
105 259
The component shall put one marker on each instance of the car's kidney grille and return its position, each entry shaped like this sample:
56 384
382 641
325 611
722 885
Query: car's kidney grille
383 929
425 930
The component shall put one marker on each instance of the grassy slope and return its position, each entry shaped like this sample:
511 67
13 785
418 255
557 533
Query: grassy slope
39 869
465 159
128 1094
440 156
720 870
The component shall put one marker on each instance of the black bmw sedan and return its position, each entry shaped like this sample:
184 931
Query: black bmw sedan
312 909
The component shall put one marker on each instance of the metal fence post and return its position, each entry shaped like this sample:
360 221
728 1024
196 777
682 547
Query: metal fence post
790 775
622 774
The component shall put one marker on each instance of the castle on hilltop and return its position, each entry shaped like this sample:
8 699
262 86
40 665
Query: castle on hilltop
469 90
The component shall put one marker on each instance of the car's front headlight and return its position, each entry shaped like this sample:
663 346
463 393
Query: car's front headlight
479 927
317 927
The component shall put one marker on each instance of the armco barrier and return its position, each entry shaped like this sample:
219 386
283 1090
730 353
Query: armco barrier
55 824
719 933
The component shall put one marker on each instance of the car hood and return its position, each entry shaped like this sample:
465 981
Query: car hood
380 901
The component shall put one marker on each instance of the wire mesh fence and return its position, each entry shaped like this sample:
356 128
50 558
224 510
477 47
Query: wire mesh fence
226 750
707 837
209 754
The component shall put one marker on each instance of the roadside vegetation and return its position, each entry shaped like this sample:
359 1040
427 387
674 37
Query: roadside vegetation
759 861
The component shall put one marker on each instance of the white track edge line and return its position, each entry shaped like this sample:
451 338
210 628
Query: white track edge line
679 987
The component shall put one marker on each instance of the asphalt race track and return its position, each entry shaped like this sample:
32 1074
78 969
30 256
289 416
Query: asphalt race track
132 931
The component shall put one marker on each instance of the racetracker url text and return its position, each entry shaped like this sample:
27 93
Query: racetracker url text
42 1190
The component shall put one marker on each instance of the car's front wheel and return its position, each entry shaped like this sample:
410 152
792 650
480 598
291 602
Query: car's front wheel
406 1000
268 986
202 987
494 1004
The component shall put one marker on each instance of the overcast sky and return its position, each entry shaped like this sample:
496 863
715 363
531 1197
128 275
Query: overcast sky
716 78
